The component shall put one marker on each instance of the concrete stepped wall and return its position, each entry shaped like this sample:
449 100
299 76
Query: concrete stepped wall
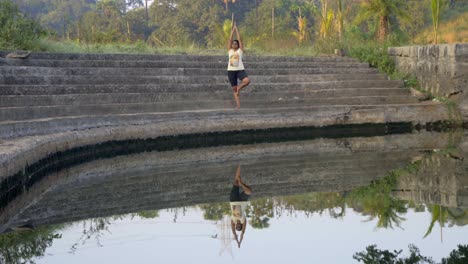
440 69
54 102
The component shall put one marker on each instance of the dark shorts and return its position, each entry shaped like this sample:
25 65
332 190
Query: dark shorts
237 195
234 75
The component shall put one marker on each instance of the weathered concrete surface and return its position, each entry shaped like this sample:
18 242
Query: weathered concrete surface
45 137
441 178
440 69
157 180
54 102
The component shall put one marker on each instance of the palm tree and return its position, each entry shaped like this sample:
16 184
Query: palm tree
326 19
381 11
300 34
339 18
435 8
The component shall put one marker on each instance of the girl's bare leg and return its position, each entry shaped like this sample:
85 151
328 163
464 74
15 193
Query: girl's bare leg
245 82
245 187
236 96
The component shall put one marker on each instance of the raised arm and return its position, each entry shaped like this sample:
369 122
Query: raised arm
244 226
230 39
241 46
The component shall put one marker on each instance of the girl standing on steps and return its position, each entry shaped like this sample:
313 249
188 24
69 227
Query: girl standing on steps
235 66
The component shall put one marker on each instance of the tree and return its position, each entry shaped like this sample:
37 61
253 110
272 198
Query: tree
301 32
185 22
381 11
373 255
436 6
17 31
340 18
457 256
65 15
326 20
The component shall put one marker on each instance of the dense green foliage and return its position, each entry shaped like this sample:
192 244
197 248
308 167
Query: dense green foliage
267 25
23 247
373 255
362 29
17 31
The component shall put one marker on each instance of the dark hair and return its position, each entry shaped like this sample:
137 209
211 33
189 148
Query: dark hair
235 41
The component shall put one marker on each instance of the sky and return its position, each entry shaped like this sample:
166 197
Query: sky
291 239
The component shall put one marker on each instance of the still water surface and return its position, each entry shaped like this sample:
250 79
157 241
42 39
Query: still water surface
313 201
292 238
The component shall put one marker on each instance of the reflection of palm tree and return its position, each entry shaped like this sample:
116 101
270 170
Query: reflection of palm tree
442 215
388 215
383 207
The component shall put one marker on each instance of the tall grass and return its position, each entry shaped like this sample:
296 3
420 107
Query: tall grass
279 48
138 47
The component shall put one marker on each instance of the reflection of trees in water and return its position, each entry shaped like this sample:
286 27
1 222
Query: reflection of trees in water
93 229
176 212
374 201
444 215
260 211
24 247
147 214
215 211
312 203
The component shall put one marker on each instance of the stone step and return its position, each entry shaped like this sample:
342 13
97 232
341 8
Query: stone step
127 57
75 197
313 171
118 98
152 64
379 83
91 73
244 118
37 112
83 199
84 79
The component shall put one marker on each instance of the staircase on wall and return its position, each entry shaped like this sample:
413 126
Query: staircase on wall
51 102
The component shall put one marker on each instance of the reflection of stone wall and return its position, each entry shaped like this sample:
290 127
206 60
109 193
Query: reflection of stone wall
158 180
440 180
440 69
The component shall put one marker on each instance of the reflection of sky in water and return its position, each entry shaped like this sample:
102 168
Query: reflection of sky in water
289 239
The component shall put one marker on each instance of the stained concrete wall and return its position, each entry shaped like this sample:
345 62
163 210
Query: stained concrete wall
157 180
440 69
